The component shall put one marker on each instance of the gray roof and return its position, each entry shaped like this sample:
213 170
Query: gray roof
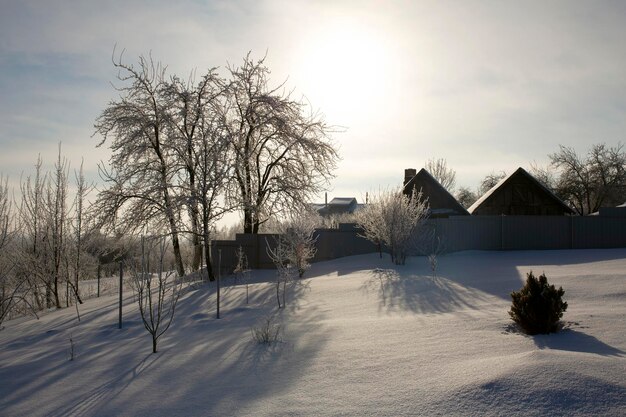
342 201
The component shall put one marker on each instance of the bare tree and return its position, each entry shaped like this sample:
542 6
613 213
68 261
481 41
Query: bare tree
140 180
588 183
545 175
158 295
282 155
9 287
395 220
285 271
31 264
242 271
82 191
57 217
490 181
438 168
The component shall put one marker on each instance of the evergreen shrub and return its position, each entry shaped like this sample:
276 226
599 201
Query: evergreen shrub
538 307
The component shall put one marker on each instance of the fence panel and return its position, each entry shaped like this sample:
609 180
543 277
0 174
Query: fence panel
456 234
536 232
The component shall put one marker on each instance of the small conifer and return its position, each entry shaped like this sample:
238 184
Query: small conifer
538 307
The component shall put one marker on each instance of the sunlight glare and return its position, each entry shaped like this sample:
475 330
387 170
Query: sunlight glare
345 66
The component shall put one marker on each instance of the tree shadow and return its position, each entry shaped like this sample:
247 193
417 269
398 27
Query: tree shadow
400 290
227 367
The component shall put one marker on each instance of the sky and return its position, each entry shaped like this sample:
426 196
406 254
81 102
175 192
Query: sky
487 85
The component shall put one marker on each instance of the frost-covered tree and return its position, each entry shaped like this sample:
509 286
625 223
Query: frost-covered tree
293 248
140 180
590 182
199 148
286 272
283 154
56 210
297 235
438 168
9 286
394 219
157 293
31 262
466 197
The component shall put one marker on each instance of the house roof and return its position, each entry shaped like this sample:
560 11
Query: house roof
440 201
337 205
342 201
519 171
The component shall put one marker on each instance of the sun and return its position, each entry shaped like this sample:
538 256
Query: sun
344 66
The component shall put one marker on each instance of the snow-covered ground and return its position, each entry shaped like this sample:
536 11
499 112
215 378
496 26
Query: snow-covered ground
361 338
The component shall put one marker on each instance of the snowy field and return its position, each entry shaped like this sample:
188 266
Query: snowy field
361 338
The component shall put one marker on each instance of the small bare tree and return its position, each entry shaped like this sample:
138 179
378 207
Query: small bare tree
297 234
157 296
242 272
434 246
285 270
394 219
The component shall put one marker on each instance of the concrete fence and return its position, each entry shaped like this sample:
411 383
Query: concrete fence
455 233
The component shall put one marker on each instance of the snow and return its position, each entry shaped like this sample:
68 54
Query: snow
362 337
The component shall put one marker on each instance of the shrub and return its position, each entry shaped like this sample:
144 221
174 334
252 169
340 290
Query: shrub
538 306
267 331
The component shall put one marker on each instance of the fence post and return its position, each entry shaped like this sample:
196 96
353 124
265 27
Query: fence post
121 285
219 273
571 223
502 232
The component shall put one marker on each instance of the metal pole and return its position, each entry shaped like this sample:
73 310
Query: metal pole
219 273
121 282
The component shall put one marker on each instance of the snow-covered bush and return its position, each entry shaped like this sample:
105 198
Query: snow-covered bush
537 307
394 219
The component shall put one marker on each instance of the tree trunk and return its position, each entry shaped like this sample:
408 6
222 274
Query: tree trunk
197 253
247 221
154 344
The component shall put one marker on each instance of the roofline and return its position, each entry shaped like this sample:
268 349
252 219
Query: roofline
500 183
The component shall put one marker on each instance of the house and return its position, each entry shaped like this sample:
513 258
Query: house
520 194
441 203
337 206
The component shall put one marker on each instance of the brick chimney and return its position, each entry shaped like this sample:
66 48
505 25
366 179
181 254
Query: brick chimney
409 173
